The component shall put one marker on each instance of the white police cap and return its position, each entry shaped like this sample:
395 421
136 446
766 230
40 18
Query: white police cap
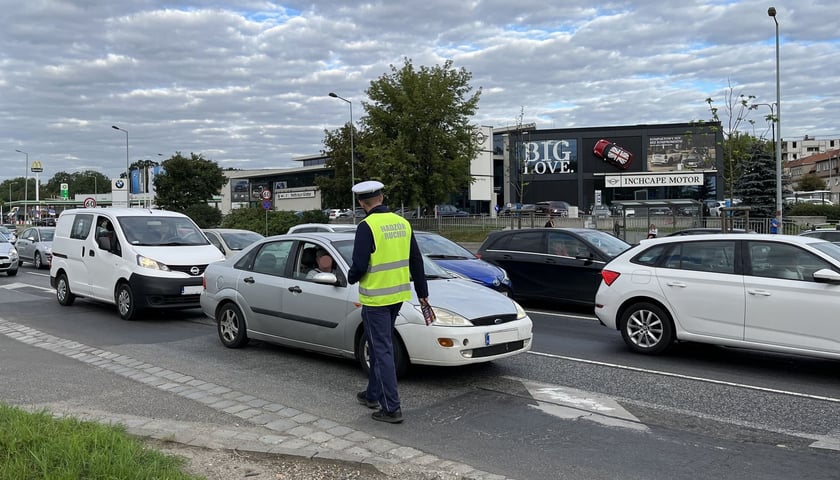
368 189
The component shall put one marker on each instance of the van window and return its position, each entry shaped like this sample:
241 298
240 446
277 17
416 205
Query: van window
81 226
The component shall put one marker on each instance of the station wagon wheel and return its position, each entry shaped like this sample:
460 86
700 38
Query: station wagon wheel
230 324
62 291
125 302
401 360
38 263
647 328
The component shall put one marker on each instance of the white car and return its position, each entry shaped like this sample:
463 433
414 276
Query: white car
768 292
231 241
265 294
322 227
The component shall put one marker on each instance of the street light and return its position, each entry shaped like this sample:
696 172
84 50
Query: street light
127 172
772 12
352 160
25 187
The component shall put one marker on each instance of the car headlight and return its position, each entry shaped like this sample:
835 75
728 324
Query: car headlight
504 272
12 254
520 312
147 262
446 318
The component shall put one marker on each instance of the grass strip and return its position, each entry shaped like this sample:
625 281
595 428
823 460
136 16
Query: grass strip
40 446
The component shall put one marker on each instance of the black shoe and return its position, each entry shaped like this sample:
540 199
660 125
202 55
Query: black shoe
390 417
362 398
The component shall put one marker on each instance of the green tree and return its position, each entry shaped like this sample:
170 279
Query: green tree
186 182
336 189
736 110
810 182
83 182
204 215
756 186
415 137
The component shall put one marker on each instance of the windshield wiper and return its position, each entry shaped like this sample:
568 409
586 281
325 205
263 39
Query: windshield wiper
447 257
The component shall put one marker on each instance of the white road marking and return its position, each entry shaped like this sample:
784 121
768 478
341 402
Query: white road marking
560 314
571 403
691 377
16 285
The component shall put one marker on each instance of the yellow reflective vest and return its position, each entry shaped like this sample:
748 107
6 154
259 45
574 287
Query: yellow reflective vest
387 280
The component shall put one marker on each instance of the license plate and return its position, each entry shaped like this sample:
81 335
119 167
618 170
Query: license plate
496 338
191 290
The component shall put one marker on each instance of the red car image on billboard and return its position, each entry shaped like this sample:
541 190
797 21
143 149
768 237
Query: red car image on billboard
613 153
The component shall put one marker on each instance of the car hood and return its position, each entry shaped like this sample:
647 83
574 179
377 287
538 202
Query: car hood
475 269
183 255
451 294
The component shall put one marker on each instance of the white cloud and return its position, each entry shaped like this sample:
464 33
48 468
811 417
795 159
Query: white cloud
246 83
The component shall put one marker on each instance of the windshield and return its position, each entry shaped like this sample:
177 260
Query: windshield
438 247
345 248
605 242
828 248
159 231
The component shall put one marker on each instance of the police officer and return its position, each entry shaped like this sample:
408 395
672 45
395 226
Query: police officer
385 252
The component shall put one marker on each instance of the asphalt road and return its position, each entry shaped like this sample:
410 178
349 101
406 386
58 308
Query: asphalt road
579 406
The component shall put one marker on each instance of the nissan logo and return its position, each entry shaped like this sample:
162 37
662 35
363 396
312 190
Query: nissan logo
195 270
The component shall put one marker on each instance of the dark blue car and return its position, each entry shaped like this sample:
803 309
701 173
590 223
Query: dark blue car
459 260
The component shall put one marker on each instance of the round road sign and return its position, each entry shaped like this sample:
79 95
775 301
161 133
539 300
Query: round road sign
90 202
265 194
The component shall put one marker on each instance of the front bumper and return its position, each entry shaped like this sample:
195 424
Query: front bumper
165 293
469 344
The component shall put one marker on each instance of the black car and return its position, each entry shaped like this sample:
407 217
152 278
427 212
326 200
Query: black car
554 264
557 208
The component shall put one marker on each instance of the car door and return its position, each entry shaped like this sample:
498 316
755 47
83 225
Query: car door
318 313
571 269
262 288
703 288
103 264
26 244
521 254
785 306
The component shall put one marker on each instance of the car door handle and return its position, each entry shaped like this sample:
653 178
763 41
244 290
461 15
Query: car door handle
248 279
676 284
763 293
295 289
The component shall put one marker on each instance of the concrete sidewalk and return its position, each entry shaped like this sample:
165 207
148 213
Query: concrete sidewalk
266 426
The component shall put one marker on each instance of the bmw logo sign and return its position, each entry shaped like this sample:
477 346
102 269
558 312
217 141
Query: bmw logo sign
119 183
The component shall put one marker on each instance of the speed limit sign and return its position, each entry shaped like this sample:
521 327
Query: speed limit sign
90 202
265 194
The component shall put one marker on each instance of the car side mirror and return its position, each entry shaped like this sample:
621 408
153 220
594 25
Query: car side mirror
326 278
825 275
104 242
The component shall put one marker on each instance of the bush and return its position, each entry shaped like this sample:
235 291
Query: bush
270 222
831 212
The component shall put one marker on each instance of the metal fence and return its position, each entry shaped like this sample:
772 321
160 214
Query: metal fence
631 229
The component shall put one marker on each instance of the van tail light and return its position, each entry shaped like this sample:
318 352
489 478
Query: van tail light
609 276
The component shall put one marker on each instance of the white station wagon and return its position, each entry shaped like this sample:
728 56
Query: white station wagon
768 292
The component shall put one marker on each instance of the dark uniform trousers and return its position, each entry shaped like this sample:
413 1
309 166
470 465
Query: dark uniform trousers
382 381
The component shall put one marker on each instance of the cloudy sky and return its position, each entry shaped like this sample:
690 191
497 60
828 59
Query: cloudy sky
246 83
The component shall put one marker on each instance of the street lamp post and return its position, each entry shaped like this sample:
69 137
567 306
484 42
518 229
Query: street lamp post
25 188
352 159
772 12
127 166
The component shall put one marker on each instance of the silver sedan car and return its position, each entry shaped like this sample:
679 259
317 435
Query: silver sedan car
34 245
265 294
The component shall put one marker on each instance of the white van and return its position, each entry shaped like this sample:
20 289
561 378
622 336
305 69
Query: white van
134 258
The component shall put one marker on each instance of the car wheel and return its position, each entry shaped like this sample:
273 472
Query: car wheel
12 273
37 262
62 291
647 328
230 323
125 302
401 360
